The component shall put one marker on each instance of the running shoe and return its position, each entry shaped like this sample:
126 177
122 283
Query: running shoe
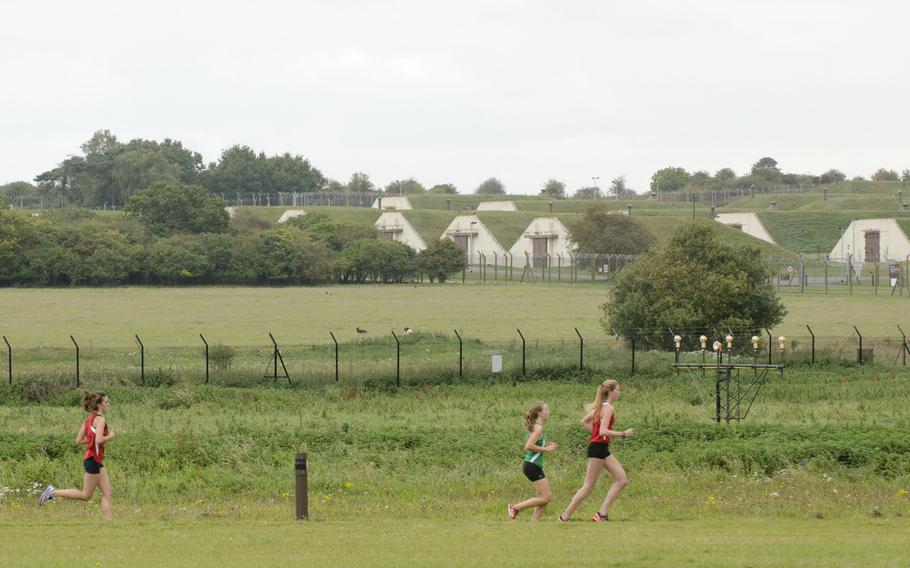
513 512
46 496
598 518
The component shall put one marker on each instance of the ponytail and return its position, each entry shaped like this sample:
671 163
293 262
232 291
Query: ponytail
532 415
92 400
602 391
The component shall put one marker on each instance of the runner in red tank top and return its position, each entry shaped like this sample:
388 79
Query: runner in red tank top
599 422
94 433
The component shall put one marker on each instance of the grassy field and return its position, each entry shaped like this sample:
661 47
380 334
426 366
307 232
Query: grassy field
421 476
441 542
108 317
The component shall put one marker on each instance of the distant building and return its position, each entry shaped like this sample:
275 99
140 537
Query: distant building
871 240
290 214
469 232
543 236
748 223
393 226
497 206
399 202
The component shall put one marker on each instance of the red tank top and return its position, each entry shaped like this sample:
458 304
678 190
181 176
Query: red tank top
95 449
595 436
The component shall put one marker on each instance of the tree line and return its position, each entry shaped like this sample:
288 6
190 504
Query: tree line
174 234
764 173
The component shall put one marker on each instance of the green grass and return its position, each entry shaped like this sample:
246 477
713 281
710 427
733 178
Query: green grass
447 542
422 475
109 317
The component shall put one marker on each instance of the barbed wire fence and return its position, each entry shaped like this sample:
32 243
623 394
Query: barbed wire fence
405 356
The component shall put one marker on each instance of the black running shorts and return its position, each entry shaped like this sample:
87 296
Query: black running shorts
598 451
91 466
533 472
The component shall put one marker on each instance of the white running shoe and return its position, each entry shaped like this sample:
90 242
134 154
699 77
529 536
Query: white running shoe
46 496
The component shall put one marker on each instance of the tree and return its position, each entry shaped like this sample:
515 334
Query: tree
694 281
588 193
725 174
766 170
490 186
285 255
408 186
699 179
832 176
293 174
110 171
137 168
380 261
335 186
360 183
335 236
441 259
554 188
765 163
669 180
443 189
603 230
882 174
239 170
618 187
14 190
167 208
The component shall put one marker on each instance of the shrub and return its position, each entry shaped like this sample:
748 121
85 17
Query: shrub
41 391
169 207
440 259
694 281
222 356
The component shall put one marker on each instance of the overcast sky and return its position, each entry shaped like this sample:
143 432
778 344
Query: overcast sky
461 91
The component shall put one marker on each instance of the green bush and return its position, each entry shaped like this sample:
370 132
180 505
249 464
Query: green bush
41 390
222 356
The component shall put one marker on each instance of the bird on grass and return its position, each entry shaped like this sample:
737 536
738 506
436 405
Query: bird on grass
361 330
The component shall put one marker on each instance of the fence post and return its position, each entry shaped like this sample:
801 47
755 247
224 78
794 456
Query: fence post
859 353
522 351
77 359
278 358
904 349
581 351
769 344
802 274
813 343
141 360
336 355
397 361
9 358
826 276
460 352
206 359
850 272
877 276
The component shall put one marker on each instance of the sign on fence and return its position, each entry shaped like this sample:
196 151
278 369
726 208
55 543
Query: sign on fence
495 359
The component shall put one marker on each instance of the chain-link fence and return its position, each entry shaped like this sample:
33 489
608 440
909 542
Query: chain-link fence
544 267
414 358
824 275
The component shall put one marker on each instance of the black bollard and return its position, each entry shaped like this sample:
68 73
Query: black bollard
300 468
